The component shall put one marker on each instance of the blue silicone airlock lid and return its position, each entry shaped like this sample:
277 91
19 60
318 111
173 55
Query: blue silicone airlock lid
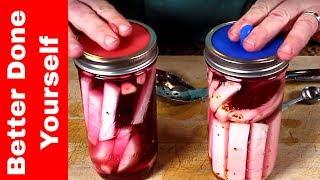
221 42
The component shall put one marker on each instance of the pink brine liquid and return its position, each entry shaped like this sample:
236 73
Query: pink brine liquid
244 123
120 116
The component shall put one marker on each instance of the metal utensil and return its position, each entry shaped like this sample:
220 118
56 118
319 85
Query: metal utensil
174 88
310 75
308 95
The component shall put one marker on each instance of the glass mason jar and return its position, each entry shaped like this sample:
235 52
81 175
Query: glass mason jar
119 103
244 112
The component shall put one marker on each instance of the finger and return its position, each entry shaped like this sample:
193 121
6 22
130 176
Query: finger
74 47
256 13
298 37
87 21
109 13
273 24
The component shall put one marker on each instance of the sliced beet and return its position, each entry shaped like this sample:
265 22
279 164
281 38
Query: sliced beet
141 79
219 147
258 138
128 88
85 83
95 107
271 149
111 94
259 113
144 98
131 154
224 92
237 150
213 86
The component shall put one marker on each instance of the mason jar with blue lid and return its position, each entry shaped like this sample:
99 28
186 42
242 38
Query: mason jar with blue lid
244 110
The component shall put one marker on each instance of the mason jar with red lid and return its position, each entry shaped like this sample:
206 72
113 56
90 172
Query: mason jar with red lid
119 103
244 110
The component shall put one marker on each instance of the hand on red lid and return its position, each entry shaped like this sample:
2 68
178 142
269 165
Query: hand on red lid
100 21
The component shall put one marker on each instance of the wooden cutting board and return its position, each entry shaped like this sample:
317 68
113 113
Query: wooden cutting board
183 130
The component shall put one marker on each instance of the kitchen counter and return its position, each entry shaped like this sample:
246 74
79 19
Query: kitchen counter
182 130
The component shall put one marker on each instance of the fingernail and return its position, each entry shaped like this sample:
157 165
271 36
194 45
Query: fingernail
111 41
123 28
249 43
286 49
233 36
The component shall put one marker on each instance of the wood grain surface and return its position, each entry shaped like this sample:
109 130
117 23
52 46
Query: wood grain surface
183 130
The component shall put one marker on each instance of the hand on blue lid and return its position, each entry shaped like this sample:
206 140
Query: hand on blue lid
244 32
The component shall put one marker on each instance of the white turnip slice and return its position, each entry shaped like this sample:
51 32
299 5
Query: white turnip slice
95 107
102 152
224 92
219 147
141 79
210 75
213 86
85 83
259 113
131 154
222 112
257 144
144 99
128 88
120 144
109 106
210 132
237 150
271 149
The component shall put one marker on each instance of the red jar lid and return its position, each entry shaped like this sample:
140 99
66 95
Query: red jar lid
135 52
130 45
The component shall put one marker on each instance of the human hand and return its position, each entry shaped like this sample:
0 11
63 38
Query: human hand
99 20
270 17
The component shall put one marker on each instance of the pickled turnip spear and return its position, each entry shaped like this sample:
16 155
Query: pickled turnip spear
110 100
144 98
131 154
128 88
223 112
256 148
141 79
213 86
259 113
210 75
95 107
210 131
120 144
237 150
271 149
85 83
224 92
219 147
102 151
